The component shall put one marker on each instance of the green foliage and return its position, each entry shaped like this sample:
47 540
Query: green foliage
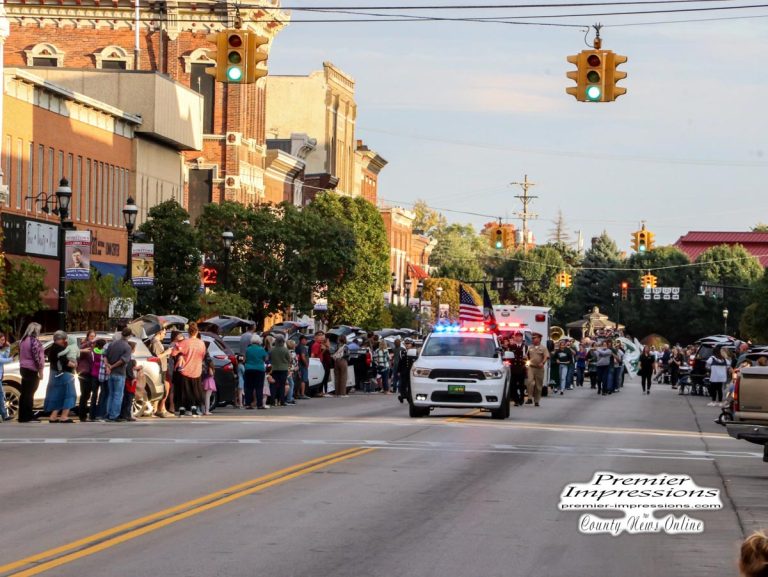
459 253
402 317
537 268
428 221
88 300
177 262
760 227
729 264
24 290
754 320
223 303
359 286
595 284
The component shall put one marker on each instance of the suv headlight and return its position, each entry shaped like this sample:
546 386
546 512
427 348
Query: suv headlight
423 373
493 374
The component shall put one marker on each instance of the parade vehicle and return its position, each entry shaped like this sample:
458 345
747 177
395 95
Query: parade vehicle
750 407
529 320
459 366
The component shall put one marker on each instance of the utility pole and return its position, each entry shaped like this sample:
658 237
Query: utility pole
524 215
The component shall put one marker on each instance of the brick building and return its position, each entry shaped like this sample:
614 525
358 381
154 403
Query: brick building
52 133
170 39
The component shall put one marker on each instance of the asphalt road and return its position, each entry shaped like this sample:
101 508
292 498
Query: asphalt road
353 487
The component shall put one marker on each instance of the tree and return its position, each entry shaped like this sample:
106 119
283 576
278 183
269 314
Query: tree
595 283
537 269
733 267
559 234
428 221
760 227
24 289
459 253
357 290
217 303
177 262
88 300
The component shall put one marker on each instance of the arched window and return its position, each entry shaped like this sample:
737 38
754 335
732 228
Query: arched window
113 58
45 55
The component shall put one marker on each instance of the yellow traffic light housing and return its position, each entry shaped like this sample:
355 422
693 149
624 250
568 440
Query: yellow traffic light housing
643 240
596 74
255 57
624 290
563 279
648 281
498 236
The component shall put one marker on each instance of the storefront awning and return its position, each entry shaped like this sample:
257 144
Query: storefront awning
416 271
105 268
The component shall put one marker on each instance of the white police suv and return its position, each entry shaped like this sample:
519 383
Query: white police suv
460 367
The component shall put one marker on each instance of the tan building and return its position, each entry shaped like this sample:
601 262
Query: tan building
321 105
171 123
286 166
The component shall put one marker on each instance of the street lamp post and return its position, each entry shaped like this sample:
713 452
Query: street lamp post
63 196
725 321
438 294
420 289
227 237
392 289
130 210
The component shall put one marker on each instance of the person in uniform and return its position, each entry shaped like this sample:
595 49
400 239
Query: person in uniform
517 368
538 355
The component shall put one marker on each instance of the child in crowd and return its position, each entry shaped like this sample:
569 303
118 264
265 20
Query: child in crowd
268 384
132 374
208 382
100 375
240 394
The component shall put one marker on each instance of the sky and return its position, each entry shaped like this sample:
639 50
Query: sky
462 109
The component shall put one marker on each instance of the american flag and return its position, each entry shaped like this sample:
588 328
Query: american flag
469 311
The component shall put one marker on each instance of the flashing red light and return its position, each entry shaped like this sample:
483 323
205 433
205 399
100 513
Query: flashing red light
540 318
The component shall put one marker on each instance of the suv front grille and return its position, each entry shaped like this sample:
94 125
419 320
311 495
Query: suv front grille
457 374
446 397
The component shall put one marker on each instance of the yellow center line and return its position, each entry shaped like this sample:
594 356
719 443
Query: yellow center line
138 527
461 418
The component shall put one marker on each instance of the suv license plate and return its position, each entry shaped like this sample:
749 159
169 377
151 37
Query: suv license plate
457 389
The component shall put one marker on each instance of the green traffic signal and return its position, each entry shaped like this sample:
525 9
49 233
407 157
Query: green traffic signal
234 73
498 244
593 93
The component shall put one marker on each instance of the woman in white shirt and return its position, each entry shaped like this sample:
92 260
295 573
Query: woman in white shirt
719 370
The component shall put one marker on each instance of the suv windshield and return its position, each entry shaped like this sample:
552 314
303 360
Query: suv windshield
459 346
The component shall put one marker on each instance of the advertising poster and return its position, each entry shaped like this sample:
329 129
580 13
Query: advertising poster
77 254
143 264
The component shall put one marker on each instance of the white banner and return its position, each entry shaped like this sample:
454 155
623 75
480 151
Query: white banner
77 254
143 264
42 238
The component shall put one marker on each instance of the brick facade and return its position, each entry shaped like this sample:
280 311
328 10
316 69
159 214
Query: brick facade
172 40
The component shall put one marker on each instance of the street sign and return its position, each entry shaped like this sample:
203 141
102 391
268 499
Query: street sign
662 293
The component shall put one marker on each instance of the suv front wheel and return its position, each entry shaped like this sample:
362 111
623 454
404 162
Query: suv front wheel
11 400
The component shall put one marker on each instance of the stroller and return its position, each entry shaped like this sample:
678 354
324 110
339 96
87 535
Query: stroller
726 408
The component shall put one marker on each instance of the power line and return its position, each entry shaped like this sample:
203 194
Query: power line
482 6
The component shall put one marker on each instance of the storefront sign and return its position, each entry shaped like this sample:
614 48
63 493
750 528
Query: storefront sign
77 254
42 238
143 264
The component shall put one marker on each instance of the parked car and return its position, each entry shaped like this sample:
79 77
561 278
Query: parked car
705 348
224 325
149 390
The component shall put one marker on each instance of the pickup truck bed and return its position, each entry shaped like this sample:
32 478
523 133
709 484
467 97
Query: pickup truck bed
750 417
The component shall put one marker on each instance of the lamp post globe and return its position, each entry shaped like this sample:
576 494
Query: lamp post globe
227 238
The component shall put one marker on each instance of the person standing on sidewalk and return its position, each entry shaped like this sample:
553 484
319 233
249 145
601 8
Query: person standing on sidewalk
32 363
118 356
89 387
381 359
5 358
302 358
280 358
341 368
192 351
157 348
719 371
538 356
647 369
320 350
255 372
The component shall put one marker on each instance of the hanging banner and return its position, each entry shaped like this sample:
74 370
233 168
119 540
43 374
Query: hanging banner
143 264
445 312
77 254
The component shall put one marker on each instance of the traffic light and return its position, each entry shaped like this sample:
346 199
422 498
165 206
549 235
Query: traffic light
563 279
643 240
255 57
648 281
596 76
649 239
498 238
624 290
238 55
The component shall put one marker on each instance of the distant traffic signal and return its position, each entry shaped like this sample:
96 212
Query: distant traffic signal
648 281
563 279
596 75
498 237
624 290
643 240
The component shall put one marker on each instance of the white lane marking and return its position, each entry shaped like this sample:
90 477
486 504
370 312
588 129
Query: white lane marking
574 450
